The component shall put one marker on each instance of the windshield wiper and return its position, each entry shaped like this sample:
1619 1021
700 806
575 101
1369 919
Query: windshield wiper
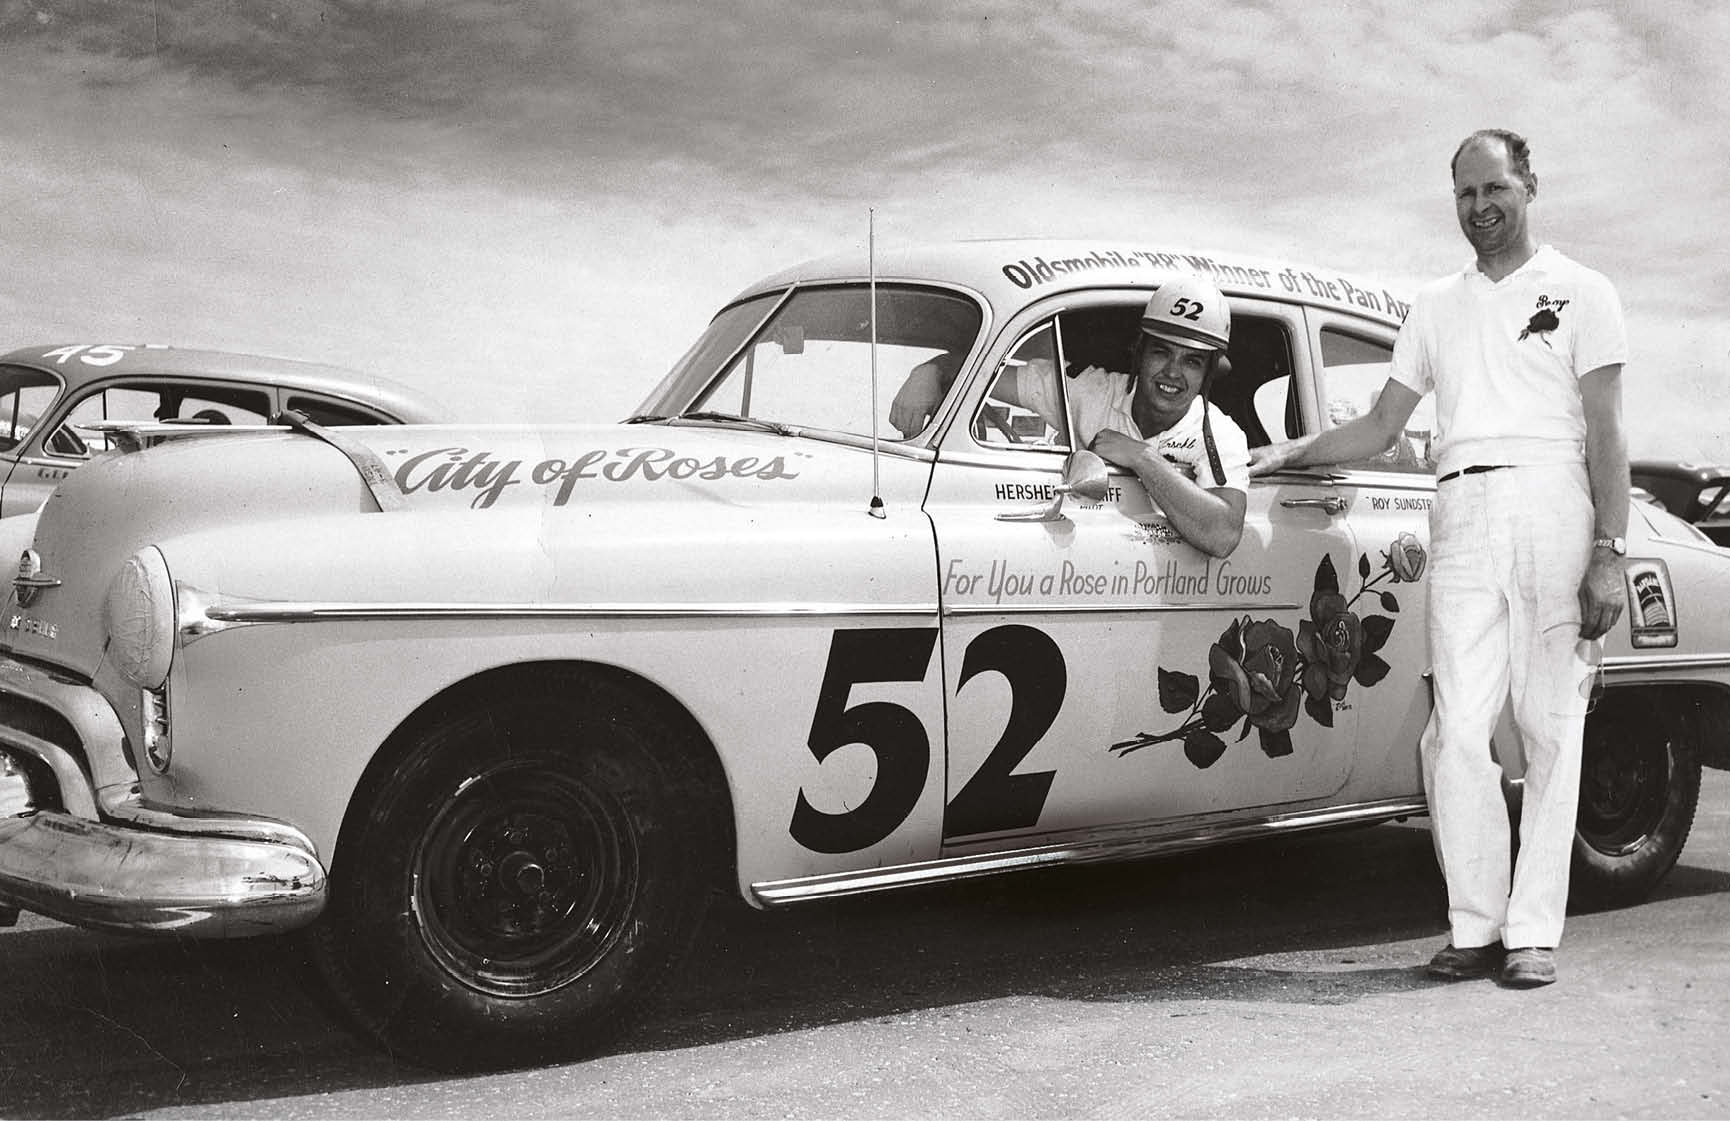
734 418
644 418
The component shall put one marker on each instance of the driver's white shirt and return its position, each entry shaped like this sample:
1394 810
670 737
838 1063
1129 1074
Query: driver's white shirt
1103 399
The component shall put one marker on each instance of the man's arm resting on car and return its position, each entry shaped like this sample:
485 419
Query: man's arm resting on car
1211 519
1361 438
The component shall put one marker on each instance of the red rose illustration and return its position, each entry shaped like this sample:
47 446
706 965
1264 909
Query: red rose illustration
1331 640
1256 665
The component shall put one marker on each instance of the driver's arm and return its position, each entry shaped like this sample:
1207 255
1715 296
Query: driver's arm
916 401
1210 518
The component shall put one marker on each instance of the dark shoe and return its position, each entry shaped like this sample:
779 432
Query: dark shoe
1452 963
1529 968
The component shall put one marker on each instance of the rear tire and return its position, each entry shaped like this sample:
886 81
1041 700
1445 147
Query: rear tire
527 874
1639 786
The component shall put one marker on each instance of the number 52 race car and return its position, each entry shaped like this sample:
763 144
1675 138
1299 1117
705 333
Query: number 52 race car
490 712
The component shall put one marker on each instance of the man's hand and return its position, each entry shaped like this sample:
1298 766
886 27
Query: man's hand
1269 458
1601 594
1116 447
916 400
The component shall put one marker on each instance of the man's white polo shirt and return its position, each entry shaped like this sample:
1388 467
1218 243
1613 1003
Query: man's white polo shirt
1505 358
1103 399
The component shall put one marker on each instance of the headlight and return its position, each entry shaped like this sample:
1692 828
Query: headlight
140 617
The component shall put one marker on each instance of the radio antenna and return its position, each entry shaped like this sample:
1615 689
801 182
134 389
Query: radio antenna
876 510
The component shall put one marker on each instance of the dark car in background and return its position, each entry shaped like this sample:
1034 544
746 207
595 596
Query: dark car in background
1695 492
47 392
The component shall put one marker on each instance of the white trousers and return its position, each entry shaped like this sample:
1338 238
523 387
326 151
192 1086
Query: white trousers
1508 551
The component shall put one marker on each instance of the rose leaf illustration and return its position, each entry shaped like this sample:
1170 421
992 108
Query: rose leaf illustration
1376 631
1219 713
1275 744
1389 603
1371 670
1327 580
1203 749
1363 566
1178 691
1320 711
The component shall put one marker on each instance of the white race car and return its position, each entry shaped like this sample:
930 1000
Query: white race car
492 711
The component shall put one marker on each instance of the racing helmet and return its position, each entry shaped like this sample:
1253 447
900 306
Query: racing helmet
1189 311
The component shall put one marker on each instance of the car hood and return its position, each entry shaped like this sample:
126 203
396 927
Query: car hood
510 514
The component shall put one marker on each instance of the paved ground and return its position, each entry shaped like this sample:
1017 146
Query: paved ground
1271 980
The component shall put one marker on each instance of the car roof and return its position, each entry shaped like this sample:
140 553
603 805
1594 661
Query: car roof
159 360
1011 272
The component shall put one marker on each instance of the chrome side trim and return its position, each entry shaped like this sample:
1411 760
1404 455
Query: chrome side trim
1645 663
317 612
1366 478
1115 608
775 893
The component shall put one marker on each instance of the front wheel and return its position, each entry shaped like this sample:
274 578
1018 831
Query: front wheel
1639 785
523 878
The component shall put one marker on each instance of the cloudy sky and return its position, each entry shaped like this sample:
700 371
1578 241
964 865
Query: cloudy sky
530 209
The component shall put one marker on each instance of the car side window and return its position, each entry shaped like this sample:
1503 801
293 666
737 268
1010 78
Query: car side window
161 401
330 414
1256 392
1354 370
1007 417
1027 405
21 407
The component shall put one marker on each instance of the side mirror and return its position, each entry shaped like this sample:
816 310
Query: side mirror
1084 475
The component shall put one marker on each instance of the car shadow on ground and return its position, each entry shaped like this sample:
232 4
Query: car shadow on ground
1160 930
98 1025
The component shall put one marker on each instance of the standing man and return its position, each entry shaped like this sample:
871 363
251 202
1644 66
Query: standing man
1524 350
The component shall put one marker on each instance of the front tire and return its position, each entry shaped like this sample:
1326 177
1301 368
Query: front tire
1639 786
525 875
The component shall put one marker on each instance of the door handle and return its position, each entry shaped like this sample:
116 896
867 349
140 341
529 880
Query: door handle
1332 504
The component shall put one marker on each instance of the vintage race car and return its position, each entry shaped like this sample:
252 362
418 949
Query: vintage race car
493 711
50 394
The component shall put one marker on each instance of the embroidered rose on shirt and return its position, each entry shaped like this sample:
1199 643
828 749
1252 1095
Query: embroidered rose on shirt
1544 320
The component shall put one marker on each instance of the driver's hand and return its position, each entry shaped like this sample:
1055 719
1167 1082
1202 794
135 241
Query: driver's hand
1117 447
916 400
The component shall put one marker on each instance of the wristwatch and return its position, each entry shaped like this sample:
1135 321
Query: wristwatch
1616 545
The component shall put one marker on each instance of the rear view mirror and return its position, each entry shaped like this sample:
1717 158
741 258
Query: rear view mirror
1084 475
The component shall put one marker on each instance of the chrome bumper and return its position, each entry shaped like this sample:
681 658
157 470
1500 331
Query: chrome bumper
107 859
117 877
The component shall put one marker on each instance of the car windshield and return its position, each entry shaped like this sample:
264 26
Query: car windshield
805 359
25 394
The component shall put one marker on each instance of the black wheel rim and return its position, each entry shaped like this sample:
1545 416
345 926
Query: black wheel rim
524 880
1625 774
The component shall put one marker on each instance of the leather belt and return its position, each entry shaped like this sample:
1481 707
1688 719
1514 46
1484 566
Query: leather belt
1474 469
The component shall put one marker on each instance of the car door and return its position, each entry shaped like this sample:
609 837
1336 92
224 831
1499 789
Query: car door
1388 499
1089 656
